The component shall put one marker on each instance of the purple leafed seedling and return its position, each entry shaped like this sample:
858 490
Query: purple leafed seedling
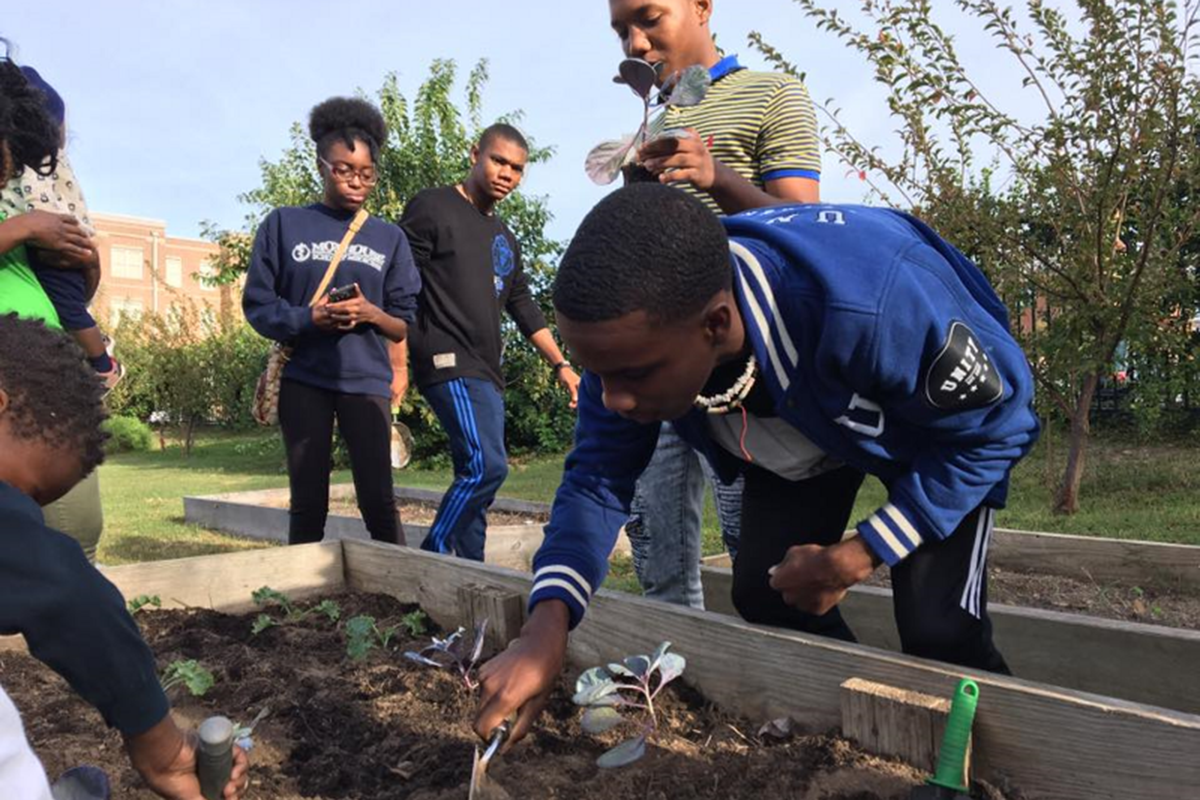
631 686
607 159
454 652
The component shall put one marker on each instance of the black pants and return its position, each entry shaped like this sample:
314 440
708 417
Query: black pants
939 592
306 416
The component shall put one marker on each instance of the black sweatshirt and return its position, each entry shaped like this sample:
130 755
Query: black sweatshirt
470 265
73 619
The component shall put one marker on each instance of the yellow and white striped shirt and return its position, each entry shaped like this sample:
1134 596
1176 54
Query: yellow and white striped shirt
762 125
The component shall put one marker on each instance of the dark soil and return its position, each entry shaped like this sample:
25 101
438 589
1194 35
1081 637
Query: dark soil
1153 605
386 728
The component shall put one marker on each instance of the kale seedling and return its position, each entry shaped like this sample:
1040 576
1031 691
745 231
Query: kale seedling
142 601
292 612
607 159
454 653
415 622
191 674
632 685
363 635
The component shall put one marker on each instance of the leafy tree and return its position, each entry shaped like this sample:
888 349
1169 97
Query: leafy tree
428 145
1079 205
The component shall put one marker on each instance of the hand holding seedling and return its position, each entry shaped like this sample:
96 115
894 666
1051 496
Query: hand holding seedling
680 158
519 680
815 579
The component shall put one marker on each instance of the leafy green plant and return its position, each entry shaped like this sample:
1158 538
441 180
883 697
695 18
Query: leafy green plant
688 88
363 634
143 601
630 686
415 622
191 674
127 435
453 652
293 612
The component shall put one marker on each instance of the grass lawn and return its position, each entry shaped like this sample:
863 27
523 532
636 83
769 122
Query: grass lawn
1134 491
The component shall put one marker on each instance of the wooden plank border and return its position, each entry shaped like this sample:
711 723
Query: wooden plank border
1149 664
1050 742
1161 565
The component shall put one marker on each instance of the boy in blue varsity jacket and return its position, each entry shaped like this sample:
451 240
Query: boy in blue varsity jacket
814 344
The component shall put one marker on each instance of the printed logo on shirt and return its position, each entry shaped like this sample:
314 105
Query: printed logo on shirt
503 261
325 251
962 377
445 361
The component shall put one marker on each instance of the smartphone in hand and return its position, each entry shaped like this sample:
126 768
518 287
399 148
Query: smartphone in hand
342 293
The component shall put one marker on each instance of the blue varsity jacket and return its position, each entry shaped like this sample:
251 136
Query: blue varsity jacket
878 340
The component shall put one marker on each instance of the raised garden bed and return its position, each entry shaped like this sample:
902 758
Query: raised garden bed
1045 741
514 530
383 727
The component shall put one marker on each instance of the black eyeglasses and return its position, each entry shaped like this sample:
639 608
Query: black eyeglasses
345 172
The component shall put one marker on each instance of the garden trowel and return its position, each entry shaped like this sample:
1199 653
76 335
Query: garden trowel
483 787
949 782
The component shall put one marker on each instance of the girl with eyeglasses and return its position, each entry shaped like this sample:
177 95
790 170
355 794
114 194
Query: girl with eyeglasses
339 367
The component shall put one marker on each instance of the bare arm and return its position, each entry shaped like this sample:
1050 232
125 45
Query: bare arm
543 340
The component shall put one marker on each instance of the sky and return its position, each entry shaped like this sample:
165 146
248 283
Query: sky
172 103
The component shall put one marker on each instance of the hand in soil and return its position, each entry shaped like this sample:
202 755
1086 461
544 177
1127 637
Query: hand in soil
815 579
166 760
520 680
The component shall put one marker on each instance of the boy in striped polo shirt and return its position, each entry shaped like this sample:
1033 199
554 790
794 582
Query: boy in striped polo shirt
753 143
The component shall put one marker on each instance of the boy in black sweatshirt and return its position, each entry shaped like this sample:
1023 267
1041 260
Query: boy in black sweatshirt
72 618
470 265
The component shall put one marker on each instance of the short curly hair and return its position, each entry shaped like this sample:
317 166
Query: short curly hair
348 120
30 134
646 247
53 395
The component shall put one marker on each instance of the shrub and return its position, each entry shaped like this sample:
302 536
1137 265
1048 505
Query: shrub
127 435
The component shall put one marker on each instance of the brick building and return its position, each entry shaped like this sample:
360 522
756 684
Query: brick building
143 270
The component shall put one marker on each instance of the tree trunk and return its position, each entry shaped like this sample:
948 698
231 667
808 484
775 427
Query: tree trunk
189 437
1067 501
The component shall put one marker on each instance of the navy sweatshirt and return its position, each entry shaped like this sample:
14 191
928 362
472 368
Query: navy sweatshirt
292 250
73 619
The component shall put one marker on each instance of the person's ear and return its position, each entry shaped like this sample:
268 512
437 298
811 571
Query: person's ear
704 10
718 320
3 401
474 154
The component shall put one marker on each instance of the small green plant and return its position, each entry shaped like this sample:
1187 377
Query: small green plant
415 622
631 685
363 635
191 674
143 601
293 612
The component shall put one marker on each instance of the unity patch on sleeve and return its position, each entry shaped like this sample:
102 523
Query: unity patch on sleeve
962 376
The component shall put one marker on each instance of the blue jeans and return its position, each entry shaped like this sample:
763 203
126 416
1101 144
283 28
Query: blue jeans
665 520
472 414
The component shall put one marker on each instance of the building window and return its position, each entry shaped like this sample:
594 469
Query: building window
205 274
127 262
174 271
123 307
